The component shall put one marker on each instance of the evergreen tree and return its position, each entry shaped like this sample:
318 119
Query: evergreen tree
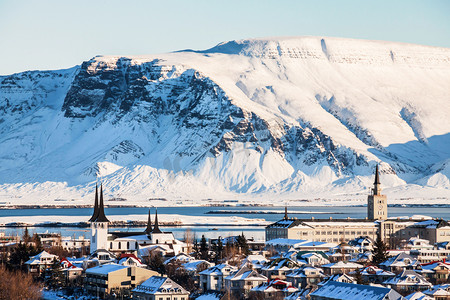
358 277
380 251
53 276
37 242
20 254
204 249
26 236
156 263
219 251
243 245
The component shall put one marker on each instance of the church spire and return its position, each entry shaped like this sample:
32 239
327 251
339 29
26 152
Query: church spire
95 214
148 230
376 183
101 210
156 227
377 177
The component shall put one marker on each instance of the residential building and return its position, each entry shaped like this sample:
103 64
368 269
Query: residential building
340 267
399 263
407 282
279 268
274 289
40 262
305 276
243 280
160 288
213 279
105 279
346 291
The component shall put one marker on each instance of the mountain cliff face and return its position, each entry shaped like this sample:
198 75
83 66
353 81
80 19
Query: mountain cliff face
291 117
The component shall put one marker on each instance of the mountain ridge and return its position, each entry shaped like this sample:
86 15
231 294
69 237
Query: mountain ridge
290 117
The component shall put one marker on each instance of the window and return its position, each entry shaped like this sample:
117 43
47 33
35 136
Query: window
128 245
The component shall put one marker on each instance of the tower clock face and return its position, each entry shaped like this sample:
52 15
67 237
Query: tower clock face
380 207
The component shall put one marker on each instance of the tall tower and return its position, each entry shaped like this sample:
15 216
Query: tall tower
376 202
99 224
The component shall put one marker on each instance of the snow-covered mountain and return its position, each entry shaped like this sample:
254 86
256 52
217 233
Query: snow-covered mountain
292 118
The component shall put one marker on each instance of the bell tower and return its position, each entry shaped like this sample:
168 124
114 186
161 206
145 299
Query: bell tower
99 224
376 202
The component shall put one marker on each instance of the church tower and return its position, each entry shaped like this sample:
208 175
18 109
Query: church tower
99 224
376 202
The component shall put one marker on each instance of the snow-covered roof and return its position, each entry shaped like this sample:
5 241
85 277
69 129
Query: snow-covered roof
401 260
408 277
350 291
418 296
281 264
105 269
343 265
245 273
217 270
37 259
193 265
160 285
375 271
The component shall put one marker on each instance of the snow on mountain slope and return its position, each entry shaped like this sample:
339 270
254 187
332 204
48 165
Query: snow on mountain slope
300 117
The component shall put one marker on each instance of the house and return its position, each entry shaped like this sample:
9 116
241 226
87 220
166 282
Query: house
213 279
312 258
272 290
339 278
40 262
305 276
279 268
439 292
436 272
99 257
254 261
71 272
243 280
418 296
79 244
111 278
127 259
340 267
408 281
334 290
373 274
160 288
399 263
181 258
363 243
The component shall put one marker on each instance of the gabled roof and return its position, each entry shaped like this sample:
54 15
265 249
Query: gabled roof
401 260
36 259
217 270
351 291
418 296
245 273
160 285
281 263
408 277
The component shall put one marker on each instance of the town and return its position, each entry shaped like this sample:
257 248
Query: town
373 258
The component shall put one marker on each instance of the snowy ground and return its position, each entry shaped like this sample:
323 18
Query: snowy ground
172 218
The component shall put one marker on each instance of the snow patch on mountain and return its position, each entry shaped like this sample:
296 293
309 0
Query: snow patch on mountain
300 117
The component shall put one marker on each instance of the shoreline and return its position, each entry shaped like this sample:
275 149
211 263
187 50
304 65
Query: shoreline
48 206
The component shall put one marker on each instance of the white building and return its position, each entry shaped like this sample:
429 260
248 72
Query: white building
127 242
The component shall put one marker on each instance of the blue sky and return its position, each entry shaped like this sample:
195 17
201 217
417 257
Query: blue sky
55 34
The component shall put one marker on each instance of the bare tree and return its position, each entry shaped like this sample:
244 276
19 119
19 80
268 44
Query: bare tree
189 239
18 285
